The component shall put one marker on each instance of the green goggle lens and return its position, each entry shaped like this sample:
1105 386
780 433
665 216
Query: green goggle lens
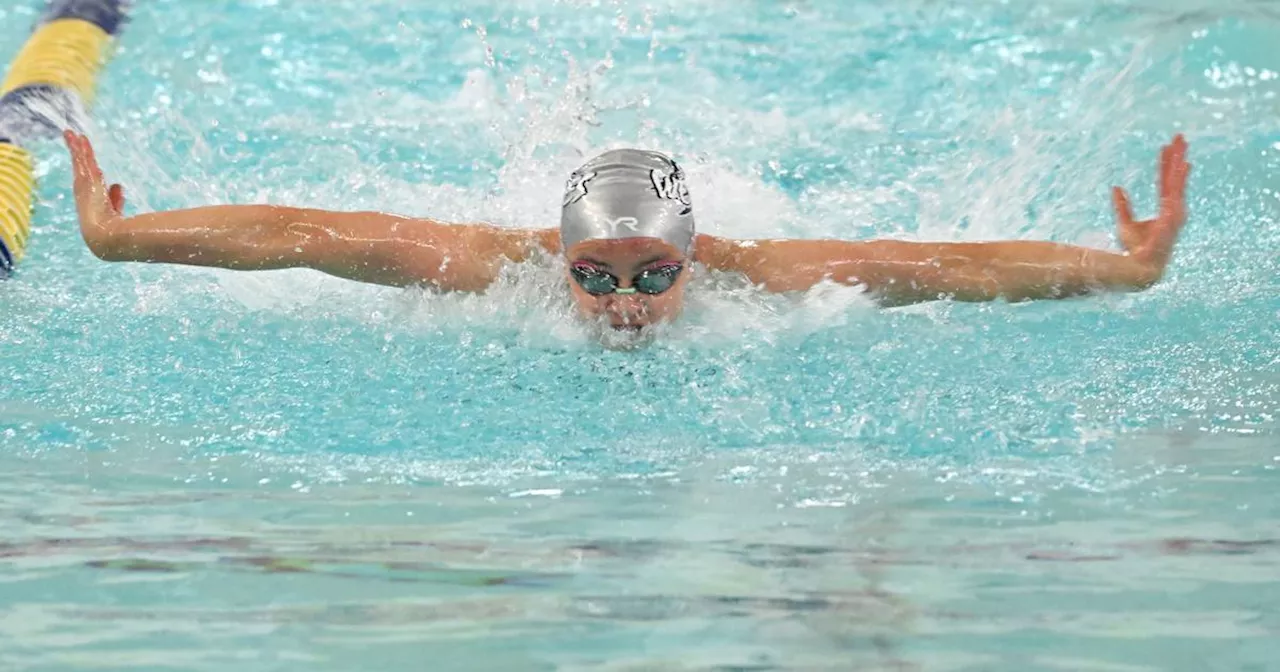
650 281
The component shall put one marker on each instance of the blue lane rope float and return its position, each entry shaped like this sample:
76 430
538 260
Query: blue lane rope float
51 77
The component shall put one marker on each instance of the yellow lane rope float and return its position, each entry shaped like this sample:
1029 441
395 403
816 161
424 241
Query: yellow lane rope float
51 76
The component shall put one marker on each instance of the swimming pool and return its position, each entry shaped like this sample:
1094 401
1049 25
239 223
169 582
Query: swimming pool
282 471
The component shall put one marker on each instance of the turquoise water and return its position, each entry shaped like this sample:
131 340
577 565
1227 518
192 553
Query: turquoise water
208 471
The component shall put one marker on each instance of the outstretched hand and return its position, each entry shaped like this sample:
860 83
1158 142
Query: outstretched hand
1151 241
101 208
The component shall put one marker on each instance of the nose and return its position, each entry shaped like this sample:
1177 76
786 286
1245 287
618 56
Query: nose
626 308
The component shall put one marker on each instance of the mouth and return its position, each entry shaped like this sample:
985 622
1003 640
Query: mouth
625 337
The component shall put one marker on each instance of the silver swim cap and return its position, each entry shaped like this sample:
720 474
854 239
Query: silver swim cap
628 193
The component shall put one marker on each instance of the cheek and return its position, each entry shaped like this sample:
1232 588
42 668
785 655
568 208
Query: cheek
587 304
670 303
666 304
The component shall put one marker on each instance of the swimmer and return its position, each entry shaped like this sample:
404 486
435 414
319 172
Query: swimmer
629 244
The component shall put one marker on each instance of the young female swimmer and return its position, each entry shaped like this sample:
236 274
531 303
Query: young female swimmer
627 234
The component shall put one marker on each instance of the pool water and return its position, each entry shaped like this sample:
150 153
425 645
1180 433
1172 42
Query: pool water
206 470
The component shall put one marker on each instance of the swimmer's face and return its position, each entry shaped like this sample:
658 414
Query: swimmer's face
627 260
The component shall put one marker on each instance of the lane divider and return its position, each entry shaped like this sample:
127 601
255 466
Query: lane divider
52 76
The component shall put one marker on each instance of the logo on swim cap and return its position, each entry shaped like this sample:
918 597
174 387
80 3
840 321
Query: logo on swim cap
628 193
576 188
671 186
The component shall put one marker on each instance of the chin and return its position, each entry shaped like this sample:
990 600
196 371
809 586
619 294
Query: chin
625 336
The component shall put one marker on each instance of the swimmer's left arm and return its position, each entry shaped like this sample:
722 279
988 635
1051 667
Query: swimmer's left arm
905 272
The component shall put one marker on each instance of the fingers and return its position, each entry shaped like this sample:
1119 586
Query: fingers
82 155
1153 240
1173 164
1180 180
91 159
115 194
1174 170
1124 212
80 161
80 182
73 146
1171 179
69 137
84 149
92 196
1180 168
1162 172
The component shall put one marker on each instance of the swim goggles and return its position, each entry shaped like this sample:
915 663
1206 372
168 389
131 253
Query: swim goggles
650 281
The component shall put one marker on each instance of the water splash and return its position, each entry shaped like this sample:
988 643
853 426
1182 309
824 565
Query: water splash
927 123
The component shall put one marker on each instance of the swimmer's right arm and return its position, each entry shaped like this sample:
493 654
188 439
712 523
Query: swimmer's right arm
364 246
